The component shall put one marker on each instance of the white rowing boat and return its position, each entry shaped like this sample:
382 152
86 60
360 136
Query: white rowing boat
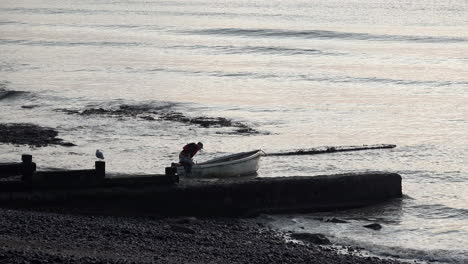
239 164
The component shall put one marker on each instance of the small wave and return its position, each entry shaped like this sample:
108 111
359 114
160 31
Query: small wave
348 79
5 94
52 11
9 94
323 34
431 256
268 50
392 81
70 44
303 77
7 22
438 211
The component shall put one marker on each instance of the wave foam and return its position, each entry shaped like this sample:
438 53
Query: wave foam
437 256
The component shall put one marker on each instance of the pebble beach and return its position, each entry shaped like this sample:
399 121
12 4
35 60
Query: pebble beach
32 236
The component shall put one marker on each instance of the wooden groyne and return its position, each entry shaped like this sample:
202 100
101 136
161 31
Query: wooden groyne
26 168
31 180
223 197
164 194
281 194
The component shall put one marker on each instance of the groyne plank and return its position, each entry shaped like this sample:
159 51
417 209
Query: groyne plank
10 169
225 197
141 180
25 168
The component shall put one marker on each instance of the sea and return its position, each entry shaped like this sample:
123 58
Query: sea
300 73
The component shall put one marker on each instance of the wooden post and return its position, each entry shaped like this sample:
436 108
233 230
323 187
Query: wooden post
26 158
100 167
170 171
28 168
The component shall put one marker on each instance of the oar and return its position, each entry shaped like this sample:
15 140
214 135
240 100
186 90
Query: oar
326 149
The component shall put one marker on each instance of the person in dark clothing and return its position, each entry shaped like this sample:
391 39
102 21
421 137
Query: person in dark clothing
186 156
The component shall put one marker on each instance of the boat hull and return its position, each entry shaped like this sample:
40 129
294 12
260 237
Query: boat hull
240 164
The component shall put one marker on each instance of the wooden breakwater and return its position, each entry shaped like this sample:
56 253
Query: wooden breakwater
280 194
223 197
32 180
26 168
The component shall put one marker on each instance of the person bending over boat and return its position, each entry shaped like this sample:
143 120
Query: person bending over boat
186 156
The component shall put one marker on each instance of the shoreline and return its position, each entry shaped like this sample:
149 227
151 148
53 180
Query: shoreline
67 237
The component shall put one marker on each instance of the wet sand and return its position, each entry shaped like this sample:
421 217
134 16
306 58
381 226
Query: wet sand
63 237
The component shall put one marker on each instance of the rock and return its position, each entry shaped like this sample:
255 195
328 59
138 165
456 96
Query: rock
29 106
149 118
30 134
147 112
68 144
318 239
374 226
335 220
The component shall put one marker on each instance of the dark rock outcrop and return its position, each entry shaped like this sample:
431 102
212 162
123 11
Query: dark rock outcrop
374 226
30 134
164 113
335 220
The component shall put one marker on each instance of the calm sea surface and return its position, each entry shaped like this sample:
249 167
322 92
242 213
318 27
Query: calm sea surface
302 73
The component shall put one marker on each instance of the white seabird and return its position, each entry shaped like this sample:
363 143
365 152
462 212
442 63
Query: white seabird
99 154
